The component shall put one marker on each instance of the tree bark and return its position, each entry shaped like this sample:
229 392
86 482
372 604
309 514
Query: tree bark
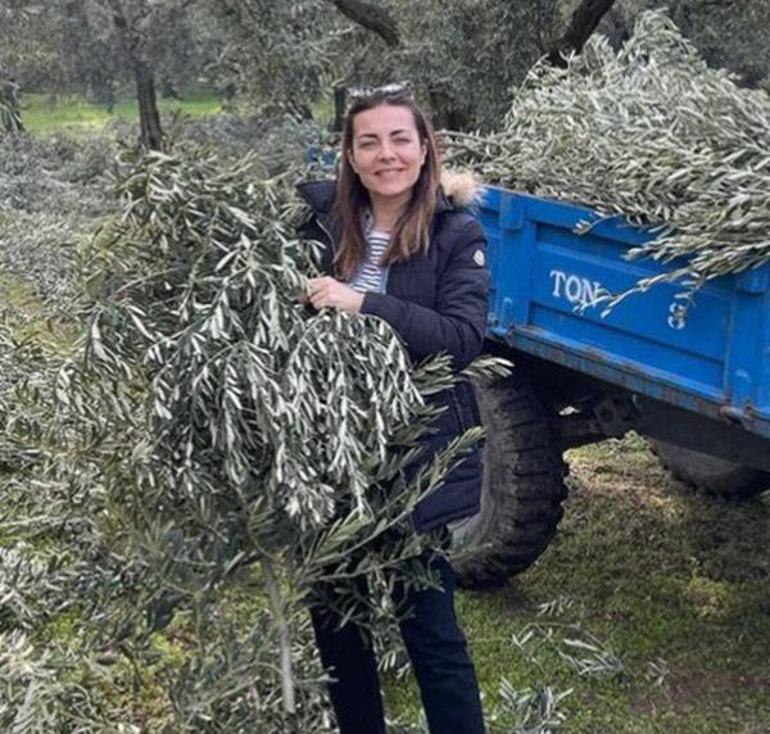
151 135
585 19
445 113
618 30
371 17
340 95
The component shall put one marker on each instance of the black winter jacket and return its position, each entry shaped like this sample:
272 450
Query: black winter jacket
436 302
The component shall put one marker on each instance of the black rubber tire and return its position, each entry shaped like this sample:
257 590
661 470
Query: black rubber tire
523 487
711 474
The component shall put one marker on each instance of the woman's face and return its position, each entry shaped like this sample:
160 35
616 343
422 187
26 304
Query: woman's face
387 153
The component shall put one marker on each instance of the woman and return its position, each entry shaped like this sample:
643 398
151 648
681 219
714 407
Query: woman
400 246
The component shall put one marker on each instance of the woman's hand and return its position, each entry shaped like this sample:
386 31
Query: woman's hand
328 292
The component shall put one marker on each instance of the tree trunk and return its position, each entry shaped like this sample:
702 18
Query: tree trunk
340 93
585 19
149 119
618 30
131 40
371 17
445 113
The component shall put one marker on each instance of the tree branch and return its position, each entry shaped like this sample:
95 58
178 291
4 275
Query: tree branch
284 635
370 17
585 19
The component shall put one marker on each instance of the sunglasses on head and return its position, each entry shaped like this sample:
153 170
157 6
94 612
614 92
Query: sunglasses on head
366 93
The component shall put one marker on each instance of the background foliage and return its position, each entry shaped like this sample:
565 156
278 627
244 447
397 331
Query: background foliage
464 58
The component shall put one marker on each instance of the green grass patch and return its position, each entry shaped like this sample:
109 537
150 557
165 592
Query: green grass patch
323 110
73 113
675 585
29 321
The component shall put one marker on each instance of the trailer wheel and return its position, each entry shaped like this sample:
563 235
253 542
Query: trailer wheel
523 487
711 474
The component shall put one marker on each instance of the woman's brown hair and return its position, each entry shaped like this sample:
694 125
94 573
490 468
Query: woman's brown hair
412 230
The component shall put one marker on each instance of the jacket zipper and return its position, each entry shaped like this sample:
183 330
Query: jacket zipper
328 234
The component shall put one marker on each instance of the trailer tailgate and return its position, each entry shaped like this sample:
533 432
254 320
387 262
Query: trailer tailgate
546 277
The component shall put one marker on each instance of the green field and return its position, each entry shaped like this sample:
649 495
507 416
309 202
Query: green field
670 589
75 114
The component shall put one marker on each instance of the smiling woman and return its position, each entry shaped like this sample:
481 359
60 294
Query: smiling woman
389 176
387 155
398 246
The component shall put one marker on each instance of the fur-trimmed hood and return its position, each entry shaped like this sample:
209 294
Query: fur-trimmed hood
464 189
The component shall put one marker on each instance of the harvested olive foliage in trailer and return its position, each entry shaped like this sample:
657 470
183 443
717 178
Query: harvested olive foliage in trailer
649 132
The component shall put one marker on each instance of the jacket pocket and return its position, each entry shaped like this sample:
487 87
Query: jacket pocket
449 423
455 405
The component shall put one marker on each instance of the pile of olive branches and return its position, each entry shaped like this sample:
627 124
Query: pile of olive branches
280 142
52 192
213 456
649 132
54 559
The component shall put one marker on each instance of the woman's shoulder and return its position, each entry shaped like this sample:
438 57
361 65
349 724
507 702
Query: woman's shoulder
319 193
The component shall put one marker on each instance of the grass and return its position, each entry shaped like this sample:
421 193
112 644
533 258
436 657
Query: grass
25 314
73 113
676 585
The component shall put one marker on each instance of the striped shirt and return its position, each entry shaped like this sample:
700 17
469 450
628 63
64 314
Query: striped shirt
371 276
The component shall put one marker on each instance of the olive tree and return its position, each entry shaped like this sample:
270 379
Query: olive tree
93 47
277 56
462 58
732 35
213 457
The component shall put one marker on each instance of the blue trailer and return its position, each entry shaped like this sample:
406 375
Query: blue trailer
697 383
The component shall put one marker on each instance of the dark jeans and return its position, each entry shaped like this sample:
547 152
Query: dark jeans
437 649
